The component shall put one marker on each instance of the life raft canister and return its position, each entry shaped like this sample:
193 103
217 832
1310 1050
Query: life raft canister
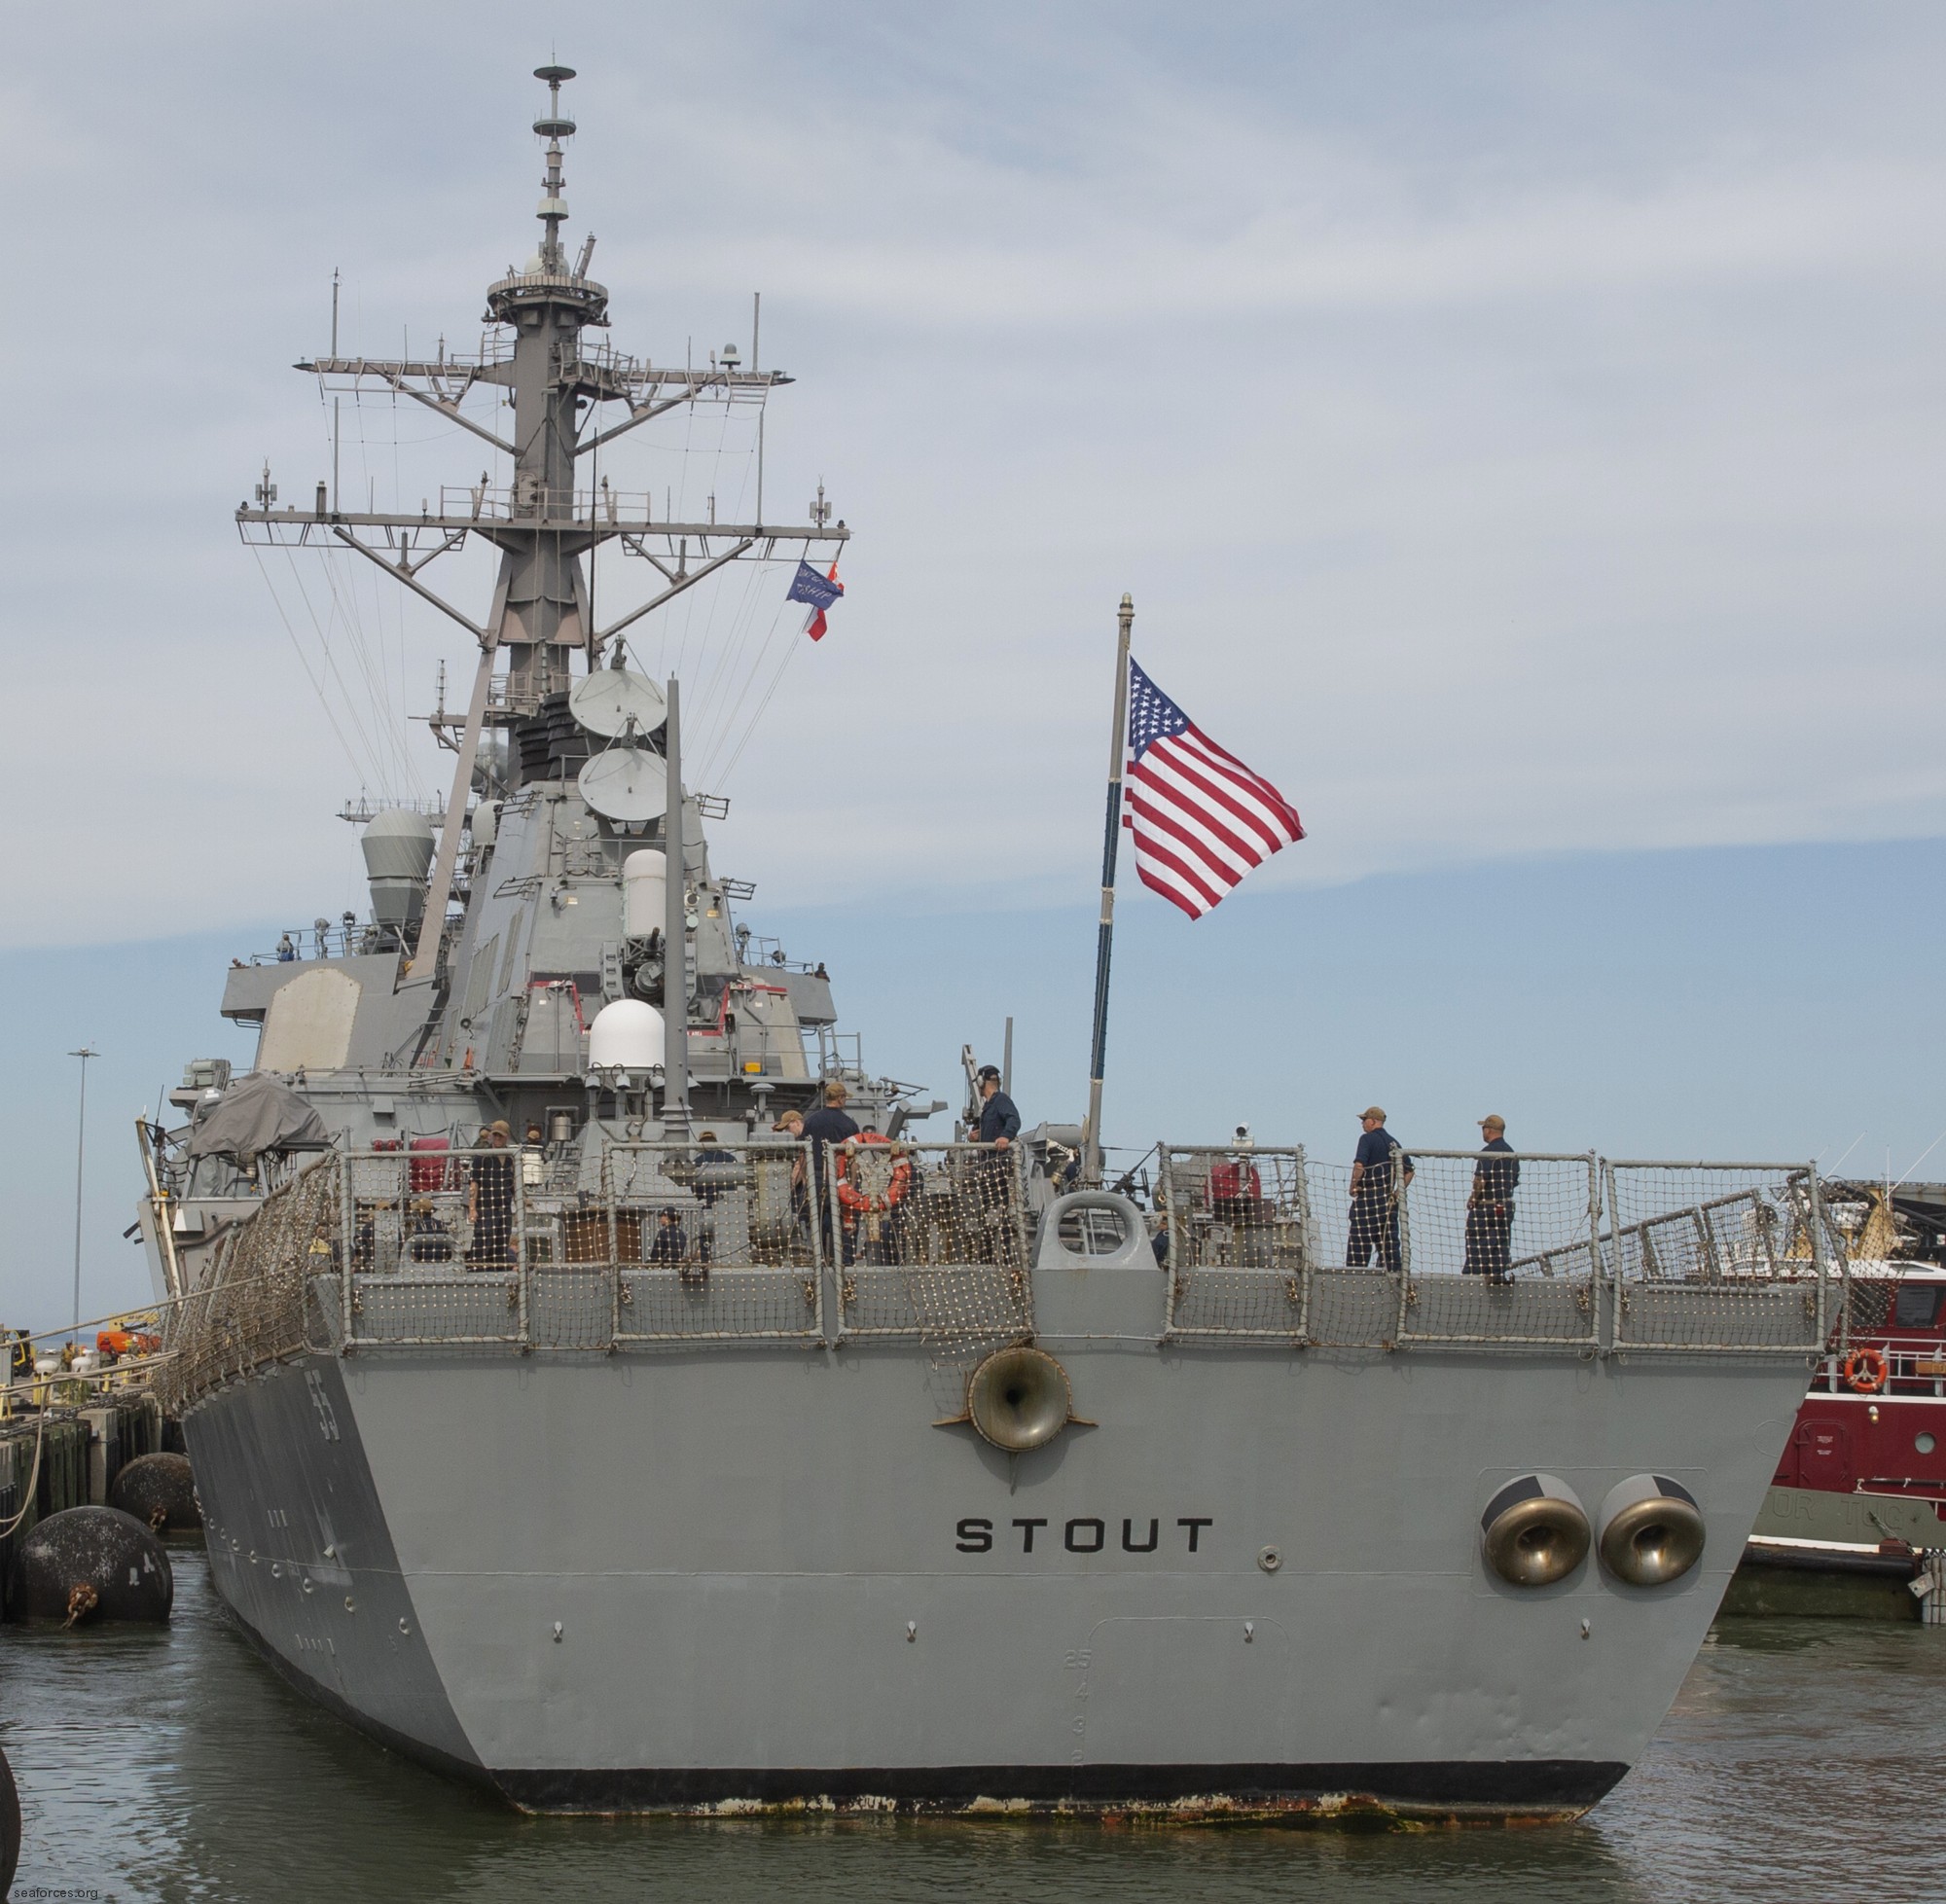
1864 1370
852 1195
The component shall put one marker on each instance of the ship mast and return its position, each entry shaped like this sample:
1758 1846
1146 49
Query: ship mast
542 523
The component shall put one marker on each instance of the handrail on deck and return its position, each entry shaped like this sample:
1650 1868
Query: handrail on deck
760 1240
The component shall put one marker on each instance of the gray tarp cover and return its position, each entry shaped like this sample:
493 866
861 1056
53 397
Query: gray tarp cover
257 1113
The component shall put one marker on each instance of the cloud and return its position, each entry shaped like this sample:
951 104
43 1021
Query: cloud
1519 430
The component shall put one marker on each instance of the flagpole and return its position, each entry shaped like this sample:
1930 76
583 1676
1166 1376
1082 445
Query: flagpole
675 933
1105 943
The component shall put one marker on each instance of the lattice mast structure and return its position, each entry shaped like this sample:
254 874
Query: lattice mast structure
562 393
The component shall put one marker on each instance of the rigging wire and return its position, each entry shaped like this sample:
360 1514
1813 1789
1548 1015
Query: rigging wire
716 658
375 630
405 696
716 457
297 646
688 436
386 721
397 503
777 680
713 715
381 771
729 650
721 739
373 668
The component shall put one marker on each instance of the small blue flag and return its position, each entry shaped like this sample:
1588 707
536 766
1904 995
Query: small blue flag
819 591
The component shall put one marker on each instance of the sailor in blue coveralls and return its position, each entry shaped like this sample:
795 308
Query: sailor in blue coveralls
1374 1217
1489 1204
999 1124
1000 1121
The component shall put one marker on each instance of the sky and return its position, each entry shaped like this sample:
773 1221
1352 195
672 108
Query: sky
1520 428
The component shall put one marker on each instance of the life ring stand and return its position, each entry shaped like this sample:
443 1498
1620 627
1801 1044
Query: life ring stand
859 1201
1865 1371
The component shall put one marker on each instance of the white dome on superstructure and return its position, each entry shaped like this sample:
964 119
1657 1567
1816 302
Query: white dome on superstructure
627 1035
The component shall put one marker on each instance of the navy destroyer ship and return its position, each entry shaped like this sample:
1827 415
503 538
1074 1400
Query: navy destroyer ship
564 1419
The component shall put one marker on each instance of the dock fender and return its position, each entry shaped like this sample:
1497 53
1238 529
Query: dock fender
159 1490
91 1563
10 1827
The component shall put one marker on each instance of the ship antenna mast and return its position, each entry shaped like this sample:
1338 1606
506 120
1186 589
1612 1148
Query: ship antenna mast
335 400
553 128
545 528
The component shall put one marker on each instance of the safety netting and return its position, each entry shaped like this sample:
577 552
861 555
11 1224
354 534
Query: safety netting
1719 1256
1494 1248
254 1304
932 1241
636 1244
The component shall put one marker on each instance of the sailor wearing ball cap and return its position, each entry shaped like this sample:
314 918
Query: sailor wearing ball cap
1376 1183
489 1199
1490 1204
999 1120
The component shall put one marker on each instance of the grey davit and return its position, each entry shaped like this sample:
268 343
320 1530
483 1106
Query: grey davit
565 1415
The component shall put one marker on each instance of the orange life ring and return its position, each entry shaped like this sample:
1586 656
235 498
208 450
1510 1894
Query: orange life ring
1864 1370
854 1199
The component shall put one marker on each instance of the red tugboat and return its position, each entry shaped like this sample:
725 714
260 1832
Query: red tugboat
1859 1494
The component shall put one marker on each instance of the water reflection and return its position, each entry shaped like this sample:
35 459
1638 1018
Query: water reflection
173 1765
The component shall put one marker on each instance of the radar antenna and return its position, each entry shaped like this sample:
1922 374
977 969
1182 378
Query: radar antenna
553 128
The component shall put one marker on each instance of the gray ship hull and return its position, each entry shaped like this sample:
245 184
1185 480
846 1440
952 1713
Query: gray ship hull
725 1579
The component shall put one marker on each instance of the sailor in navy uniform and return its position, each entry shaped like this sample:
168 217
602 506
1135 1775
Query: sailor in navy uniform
1489 1204
1380 1170
999 1120
999 1124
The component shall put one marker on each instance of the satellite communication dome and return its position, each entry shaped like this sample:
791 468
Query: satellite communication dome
627 1035
606 701
627 785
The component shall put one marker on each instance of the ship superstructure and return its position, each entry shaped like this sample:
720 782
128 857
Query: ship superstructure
622 1467
502 924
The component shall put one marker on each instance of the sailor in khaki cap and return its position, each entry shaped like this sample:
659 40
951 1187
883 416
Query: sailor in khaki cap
1490 1204
1380 1170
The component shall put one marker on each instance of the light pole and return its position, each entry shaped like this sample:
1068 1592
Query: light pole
80 1154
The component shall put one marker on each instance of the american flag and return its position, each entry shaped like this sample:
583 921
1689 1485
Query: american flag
1200 817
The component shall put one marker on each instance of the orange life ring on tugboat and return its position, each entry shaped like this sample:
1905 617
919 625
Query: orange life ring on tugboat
852 1195
1864 1370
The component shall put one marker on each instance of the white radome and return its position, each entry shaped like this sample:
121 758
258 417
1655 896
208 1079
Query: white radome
627 1035
644 893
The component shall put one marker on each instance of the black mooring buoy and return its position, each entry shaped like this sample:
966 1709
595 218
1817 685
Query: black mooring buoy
10 1827
89 1564
159 1490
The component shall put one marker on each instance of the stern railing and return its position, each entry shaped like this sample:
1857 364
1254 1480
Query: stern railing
1448 1248
640 1246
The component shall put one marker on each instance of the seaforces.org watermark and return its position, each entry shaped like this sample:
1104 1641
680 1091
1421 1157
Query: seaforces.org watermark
41 1892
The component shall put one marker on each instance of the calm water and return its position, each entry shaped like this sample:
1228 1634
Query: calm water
1803 1760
